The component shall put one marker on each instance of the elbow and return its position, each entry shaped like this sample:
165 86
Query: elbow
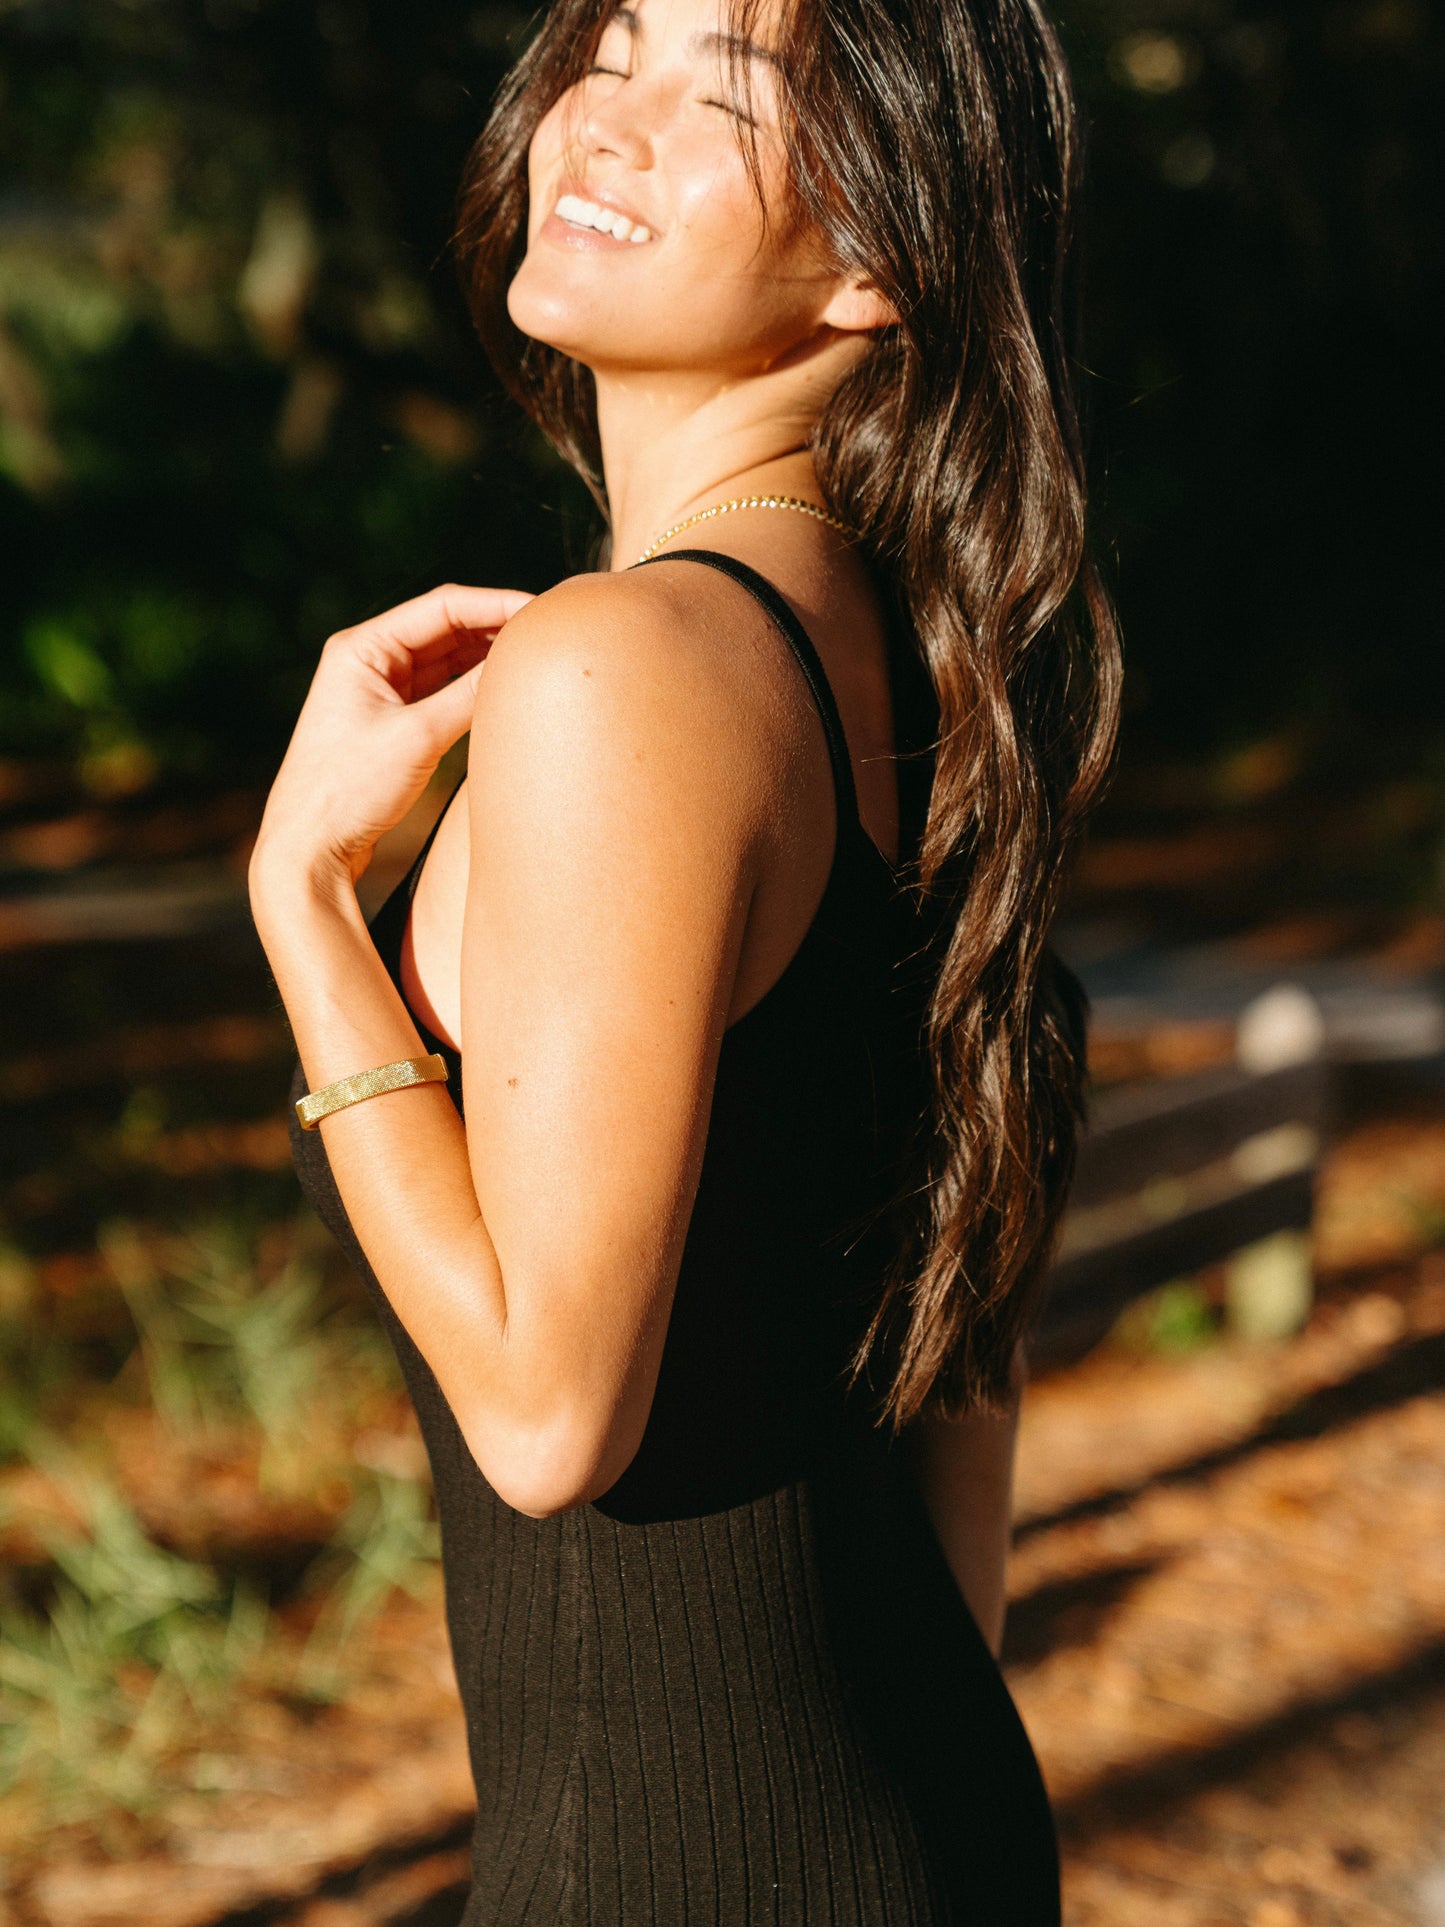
547 1466
539 1493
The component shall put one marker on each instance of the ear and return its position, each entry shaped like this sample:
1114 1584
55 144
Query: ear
857 307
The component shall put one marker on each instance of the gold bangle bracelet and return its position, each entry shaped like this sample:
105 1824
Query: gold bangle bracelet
352 1090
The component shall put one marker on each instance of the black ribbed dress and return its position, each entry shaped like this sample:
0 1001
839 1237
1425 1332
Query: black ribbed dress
742 1687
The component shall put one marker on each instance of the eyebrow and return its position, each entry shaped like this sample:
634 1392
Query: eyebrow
731 43
702 43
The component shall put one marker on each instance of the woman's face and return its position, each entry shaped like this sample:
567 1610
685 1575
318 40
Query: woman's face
646 244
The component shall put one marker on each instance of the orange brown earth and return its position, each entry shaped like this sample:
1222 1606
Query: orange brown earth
1227 1631
1228 1625
1227 1638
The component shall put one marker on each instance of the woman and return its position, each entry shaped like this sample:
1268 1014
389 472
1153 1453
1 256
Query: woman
709 1261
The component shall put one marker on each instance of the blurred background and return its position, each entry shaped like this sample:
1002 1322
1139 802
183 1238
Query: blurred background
240 407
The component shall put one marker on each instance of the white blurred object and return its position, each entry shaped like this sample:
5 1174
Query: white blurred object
1431 1895
278 278
1276 1153
1377 1022
1282 1026
1269 1286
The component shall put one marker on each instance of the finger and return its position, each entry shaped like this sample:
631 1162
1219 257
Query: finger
436 671
430 624
448 712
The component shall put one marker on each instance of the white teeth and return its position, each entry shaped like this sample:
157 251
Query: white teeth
579 213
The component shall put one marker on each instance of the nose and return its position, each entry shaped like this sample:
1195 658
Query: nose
620 121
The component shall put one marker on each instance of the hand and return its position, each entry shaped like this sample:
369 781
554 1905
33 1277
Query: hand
388 699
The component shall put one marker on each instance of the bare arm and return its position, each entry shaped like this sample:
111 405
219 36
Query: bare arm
965 1473
532 1255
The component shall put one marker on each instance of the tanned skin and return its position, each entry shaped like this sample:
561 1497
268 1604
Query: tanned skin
647 821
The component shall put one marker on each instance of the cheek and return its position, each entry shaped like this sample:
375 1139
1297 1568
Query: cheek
544 156
709 175
719 224
748 262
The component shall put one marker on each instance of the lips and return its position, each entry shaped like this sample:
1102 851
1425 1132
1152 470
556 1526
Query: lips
583 214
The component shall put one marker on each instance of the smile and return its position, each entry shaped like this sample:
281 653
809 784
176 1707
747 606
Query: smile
578 213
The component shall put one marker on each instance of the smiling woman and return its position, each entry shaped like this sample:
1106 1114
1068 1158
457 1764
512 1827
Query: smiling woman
709 1260
573 212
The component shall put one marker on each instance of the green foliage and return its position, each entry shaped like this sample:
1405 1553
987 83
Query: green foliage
133 1646
138 1654
1177 1317
219 1344
240 403
120 1657
387 1542
1264 263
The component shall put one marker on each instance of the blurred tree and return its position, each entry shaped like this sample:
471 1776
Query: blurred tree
240 405
239 402
1263 312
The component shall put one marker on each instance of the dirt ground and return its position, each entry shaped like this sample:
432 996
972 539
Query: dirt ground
1227 1634
1227 1623
1227 1639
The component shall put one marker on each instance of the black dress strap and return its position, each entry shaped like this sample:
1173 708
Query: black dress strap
773 603
389 922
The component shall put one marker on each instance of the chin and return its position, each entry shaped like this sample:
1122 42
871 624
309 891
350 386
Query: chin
564 311
560 319
550 313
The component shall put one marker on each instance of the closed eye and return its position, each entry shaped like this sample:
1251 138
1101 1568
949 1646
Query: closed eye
728 108
723 106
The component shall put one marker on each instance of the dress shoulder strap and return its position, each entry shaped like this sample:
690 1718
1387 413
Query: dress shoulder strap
796 636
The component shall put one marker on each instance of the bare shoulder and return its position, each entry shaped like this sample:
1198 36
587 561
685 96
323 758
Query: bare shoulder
644 655
661 623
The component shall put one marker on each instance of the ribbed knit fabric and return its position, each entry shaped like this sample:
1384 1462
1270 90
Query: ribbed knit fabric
742 1686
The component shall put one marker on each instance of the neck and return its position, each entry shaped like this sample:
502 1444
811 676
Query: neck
674 442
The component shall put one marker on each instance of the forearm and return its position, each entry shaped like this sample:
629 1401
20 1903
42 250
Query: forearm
344 1008
399 1160
965 1473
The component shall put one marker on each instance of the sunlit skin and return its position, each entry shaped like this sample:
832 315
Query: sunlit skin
647 822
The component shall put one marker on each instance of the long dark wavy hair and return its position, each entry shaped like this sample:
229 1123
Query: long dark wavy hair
935 145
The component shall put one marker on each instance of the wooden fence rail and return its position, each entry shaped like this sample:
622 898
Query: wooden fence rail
1182 1172
1174 1173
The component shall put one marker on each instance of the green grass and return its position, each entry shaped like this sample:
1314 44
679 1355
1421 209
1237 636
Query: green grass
220 1342
1176 1317
118 1656
131 1649
387 1542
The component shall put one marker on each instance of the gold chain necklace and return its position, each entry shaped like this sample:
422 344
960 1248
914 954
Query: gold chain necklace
747 502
